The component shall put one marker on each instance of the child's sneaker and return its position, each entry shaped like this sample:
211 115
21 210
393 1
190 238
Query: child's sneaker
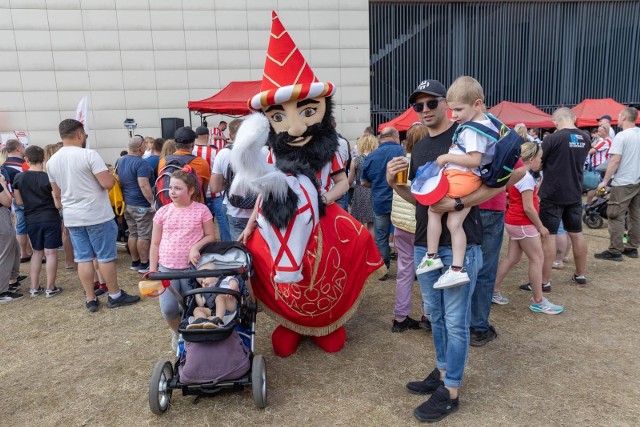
143 268
545 306
49 293
580 281
35 292
497 298
429 263
135 265
546 287
452 278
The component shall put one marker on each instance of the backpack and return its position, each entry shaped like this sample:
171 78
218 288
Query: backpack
173 163
242 202
115 195
508 142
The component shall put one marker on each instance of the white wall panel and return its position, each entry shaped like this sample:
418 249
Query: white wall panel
107 100
146 117
99 20
135 40
173 98
256 5
106 80
138 20
10 81
28 4
32 40
7 40
132 4
9 60
172 79
63 4
29 19
68 40
72 80
231 5
167 19
170 59
43 120
64 19
231 20
11 101
35 60
102 40
46 101
104 60
172 5
139 80
5 20
201 40
233 40
74 60
168 40
137 60
97 4
208 60
38 80
68 100
199 20
15 120
198 5
109 119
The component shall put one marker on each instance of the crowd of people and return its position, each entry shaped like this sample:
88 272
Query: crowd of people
58 197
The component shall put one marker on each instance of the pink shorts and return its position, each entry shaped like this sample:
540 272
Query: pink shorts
519 232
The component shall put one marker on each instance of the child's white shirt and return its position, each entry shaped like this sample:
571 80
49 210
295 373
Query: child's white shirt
474 141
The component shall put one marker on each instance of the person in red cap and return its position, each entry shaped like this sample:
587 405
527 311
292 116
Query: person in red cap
311 258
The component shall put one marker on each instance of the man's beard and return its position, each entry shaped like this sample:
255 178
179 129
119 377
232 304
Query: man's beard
314 154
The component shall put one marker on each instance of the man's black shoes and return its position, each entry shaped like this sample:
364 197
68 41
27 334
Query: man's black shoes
609 256
426 386
437 407
481 338
407 323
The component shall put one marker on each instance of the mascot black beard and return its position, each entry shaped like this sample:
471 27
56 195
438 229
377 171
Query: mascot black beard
311 258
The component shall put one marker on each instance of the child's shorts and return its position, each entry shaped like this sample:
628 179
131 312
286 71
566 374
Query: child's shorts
462 183
45 235
519 232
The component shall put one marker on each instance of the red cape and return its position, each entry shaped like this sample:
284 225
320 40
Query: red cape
340 257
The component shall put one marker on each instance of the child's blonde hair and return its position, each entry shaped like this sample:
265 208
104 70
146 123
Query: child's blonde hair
465 89
521 129
529 150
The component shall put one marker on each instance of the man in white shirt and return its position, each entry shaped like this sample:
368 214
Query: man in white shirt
81 181
237 218
624 201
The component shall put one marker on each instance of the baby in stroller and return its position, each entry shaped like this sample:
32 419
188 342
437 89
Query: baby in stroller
213 310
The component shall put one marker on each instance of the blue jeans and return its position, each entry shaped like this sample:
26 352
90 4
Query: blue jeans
343 202
492 231
97 241
382 227
219 212
449 311
236 226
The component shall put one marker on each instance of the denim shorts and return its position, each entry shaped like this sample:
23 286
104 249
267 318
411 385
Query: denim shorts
97 241
45 235
21 225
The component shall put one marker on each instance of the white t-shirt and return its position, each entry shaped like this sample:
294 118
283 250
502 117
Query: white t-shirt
474 141
84 200
627 145
220 164
528 182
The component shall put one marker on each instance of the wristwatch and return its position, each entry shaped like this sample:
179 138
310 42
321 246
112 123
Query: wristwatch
459 204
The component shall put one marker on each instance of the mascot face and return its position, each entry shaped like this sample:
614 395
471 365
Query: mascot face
301 132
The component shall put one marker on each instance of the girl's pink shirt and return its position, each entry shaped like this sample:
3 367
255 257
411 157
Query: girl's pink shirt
181 229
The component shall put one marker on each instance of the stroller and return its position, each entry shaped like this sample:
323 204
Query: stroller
596 212
235 336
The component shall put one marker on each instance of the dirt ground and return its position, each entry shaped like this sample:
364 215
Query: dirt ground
61 365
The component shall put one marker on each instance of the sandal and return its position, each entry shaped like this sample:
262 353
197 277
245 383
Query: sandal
557 265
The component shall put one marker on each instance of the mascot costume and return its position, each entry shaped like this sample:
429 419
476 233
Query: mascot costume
311 258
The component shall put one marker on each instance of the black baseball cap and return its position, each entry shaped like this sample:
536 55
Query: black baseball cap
184 135
202 130
606 116
430 87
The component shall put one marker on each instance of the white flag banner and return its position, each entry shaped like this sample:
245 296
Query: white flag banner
82 115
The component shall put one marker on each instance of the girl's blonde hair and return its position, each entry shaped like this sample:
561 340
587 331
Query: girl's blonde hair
367 144
49 150
414 134
168 148
3 155
521 129
529 150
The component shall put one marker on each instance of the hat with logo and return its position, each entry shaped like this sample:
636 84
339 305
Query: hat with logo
202 130
429 87
287 75
184 135
430 184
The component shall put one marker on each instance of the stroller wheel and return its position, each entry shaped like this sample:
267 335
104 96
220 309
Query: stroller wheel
159 391
259 381
593 221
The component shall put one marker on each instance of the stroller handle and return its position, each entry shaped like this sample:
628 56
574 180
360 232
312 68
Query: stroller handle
195 274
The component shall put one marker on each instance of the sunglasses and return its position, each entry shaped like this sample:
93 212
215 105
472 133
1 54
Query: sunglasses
431 104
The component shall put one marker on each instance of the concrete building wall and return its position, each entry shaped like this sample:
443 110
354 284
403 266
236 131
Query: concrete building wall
144 59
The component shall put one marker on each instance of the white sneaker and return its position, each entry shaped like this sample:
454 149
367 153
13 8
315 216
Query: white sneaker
451 279
545 306
499 299
429 264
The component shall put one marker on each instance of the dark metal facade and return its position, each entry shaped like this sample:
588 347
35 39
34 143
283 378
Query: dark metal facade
545 53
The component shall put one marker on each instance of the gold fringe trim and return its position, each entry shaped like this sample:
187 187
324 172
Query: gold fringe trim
326 330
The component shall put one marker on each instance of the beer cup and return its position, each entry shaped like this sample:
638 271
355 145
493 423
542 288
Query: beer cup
402 176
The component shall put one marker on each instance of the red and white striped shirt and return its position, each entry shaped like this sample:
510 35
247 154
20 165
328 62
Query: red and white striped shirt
601 155
208 153
218 144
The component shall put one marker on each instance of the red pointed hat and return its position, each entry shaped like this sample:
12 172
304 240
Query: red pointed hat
286 76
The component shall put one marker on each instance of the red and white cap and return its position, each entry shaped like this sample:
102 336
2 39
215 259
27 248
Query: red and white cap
286 76
430 184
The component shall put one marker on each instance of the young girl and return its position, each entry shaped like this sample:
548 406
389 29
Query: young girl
180 229
525 229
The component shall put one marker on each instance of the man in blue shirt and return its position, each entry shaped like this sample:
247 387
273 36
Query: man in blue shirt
374 175
136 178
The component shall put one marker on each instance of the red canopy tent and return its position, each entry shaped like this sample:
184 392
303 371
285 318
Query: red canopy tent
589 110
512 113
403 122
231 100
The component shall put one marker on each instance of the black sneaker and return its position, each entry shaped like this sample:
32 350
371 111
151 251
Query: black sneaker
609 256
630 252
143 268
407 323
10 297
546 287
481 338
99 292
122 300
580 281
385 277
135 265
437 407
14 287
21 278
426 386
93 305
424 323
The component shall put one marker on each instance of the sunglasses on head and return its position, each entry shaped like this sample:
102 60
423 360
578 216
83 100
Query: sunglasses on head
431 104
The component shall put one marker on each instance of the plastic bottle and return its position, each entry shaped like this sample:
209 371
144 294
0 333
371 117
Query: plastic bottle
150 288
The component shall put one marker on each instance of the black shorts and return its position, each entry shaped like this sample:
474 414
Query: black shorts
45 235
571 216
